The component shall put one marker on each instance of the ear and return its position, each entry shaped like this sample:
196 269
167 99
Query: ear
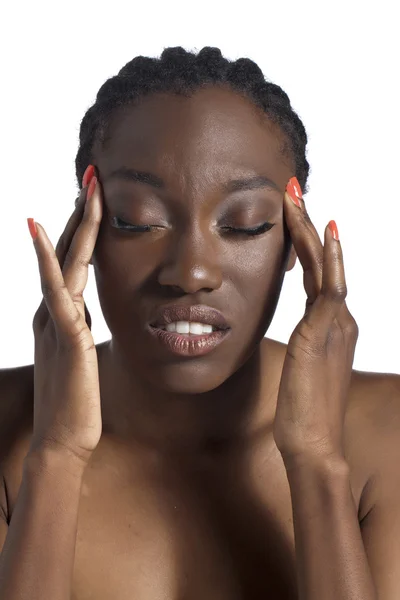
292 259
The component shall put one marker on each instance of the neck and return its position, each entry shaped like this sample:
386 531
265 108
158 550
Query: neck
233 414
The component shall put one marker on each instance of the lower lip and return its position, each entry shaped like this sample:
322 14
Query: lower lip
189 345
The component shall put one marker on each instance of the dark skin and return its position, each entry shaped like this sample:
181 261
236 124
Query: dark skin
187 495
190 260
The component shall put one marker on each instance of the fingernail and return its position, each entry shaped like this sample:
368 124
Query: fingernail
334 230
294 190
87 176
91 187
32 228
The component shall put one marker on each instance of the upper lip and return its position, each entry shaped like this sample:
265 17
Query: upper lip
198 313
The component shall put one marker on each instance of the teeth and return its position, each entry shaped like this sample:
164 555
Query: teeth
186 327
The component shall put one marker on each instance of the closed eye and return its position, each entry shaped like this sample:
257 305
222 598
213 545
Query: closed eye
251 231
120 224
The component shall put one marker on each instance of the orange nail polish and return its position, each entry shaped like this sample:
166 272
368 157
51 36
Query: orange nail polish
32 228
91 187
294 190
87 176
334 230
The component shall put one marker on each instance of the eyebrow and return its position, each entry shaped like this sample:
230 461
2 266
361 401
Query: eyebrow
234 185
251 183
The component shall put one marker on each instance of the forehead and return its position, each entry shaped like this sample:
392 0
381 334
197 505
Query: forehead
213 133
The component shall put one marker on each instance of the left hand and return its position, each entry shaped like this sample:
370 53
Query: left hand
318 364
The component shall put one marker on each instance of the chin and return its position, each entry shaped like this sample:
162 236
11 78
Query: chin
197 375
190 378
167 373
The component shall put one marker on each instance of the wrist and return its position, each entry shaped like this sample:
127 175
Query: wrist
54 461
334 465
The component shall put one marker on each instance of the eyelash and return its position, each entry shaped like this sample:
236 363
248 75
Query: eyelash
251 231
120 224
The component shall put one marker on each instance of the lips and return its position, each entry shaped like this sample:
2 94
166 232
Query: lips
199 313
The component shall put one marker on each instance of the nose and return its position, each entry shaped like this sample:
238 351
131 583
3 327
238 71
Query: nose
191 264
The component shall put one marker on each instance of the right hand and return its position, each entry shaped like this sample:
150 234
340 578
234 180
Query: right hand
67 408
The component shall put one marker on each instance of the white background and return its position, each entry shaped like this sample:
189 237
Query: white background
339 63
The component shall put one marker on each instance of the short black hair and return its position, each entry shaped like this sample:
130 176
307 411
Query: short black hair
183 72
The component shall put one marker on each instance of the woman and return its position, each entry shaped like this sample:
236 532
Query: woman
189 456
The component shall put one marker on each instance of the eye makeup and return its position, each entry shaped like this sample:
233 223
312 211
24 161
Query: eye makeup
119 223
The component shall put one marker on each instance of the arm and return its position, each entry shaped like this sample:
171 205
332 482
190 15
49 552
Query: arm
310 419
330 555
37 559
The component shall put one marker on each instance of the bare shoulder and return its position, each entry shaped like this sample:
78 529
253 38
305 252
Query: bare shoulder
374 403
372 422
16 409
372 431
16 423
16 405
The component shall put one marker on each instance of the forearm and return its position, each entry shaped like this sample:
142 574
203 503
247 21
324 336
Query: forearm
330 555
38 554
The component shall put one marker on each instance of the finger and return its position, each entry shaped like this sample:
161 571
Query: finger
66 238
69 231
73 222
66 317
310 250
330 304
88 317
76 264
79 205
305 238
63 243
42 314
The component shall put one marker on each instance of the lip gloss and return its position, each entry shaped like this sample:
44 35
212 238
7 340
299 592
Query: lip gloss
189 345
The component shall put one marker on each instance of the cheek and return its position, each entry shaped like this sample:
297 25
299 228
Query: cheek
126 262
257 288
254 265
257 281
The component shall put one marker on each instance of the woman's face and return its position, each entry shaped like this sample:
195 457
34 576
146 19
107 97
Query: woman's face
196 146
